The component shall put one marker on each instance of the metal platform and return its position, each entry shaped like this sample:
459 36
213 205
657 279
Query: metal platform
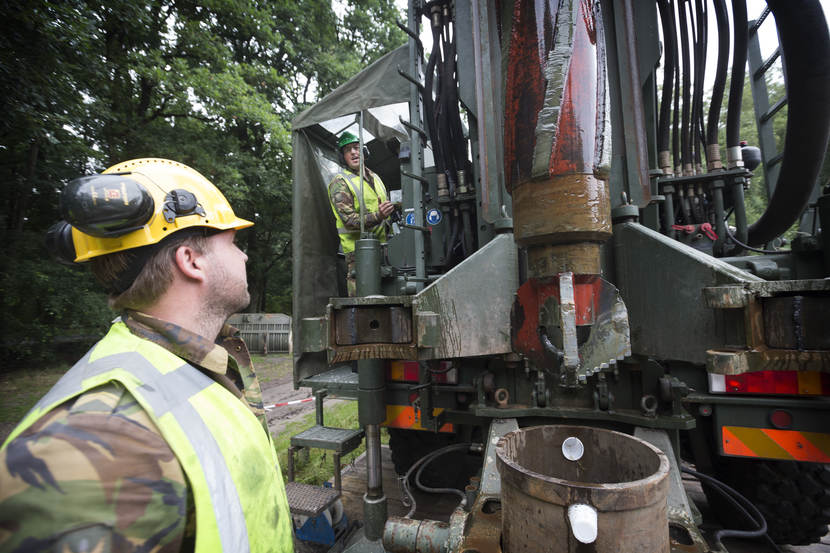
339 440
340 381
308 500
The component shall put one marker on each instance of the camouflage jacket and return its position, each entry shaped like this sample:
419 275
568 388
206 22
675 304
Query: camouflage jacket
100 452
342 198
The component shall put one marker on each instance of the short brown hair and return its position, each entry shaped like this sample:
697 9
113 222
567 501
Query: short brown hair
153 278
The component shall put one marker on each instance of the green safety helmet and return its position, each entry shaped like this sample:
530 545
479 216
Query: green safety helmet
345 139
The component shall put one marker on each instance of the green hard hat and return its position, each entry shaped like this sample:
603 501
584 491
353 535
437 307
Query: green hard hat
346 138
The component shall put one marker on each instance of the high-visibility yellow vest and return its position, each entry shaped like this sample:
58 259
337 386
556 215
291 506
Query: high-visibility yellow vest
228 458
371 199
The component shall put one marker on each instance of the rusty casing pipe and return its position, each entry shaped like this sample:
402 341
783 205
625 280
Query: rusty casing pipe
405 535
553 135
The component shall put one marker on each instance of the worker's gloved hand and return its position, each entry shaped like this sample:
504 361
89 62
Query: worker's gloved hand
386 209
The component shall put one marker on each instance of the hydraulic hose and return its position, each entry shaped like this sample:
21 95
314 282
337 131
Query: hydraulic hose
685 123
805 43
670 51
676 112
425 460
742 505
427 489
447 84
736 85
457 133
429 102
699 27
720 80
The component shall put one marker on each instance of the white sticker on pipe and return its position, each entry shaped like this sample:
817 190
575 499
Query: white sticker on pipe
583 519
573 449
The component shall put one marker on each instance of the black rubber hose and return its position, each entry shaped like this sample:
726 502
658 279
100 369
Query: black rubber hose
426 459
701 111
448 238
445 137
685 127
669 53
676 109
449 109
452 242
736 86
743 506
805 43
429 102
452 134
424 488
456 128
719 85
699 29
441 121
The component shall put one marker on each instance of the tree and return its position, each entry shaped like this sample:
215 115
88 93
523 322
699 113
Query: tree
88 83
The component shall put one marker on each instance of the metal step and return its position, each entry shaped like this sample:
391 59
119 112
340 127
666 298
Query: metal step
340 381
308 500
339 440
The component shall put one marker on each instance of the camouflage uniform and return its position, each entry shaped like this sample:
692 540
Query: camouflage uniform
342 198
101 453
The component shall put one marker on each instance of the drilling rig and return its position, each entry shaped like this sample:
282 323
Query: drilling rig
574 289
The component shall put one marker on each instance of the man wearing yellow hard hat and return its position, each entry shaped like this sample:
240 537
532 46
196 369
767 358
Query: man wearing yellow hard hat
156 439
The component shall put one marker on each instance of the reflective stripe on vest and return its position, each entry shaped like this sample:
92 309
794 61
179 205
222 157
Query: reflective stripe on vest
374 197
171 399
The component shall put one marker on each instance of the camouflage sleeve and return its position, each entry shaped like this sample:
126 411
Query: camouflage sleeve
343 201
239 361
93 474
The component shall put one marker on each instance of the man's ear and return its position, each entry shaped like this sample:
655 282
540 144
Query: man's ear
190 263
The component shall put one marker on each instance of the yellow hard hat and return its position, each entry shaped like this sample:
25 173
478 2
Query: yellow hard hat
140 202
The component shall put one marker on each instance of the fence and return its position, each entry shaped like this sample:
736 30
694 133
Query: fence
264 332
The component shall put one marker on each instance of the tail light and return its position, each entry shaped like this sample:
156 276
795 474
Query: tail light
407 371
793 383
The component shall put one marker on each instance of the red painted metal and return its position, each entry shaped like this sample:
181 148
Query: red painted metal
533 296
525 89
573 151
531 40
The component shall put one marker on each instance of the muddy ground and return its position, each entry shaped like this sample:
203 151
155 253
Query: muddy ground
282 391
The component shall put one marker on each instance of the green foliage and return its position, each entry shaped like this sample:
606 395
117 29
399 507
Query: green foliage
48 308
757 197
85 84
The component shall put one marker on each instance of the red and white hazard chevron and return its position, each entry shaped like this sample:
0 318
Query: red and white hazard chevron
285 403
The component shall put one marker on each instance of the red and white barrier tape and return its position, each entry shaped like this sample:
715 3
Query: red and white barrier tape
283 404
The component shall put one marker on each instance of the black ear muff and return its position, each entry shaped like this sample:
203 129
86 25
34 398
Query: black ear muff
106 206
59 243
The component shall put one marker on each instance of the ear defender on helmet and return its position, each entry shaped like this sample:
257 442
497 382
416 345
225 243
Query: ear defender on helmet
59 243
134 204
106 206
